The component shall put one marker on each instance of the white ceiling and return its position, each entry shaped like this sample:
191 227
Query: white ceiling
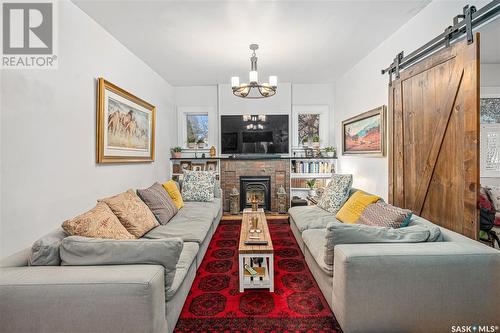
206 42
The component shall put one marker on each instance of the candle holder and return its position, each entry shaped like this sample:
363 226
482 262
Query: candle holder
254 224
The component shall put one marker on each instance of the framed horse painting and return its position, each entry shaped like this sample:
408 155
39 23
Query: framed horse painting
125 126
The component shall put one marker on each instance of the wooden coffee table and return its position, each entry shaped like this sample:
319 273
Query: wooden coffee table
252 253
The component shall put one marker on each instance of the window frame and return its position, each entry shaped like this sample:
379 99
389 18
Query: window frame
183 112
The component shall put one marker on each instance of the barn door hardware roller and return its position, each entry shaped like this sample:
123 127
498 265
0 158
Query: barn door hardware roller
463 24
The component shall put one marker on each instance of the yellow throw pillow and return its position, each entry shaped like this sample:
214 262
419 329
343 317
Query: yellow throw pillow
173 191
352 209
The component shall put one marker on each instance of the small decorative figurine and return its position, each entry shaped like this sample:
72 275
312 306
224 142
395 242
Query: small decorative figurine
212 152
255 203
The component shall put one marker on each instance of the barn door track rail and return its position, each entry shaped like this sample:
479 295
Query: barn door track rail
463 24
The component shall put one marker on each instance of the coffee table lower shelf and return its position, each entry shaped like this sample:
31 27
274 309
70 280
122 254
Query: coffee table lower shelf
263 280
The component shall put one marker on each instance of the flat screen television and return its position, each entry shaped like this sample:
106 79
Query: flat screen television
254 134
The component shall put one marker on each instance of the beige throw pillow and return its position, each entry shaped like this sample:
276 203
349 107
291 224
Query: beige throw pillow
135 216
99 222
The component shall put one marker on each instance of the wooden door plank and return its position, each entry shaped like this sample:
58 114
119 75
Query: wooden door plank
437 140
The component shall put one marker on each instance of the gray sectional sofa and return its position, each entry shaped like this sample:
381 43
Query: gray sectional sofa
405 287
109 298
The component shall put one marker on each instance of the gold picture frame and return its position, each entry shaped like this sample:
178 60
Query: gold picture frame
125 126
365 134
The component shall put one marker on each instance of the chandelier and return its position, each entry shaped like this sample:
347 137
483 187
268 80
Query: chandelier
254 89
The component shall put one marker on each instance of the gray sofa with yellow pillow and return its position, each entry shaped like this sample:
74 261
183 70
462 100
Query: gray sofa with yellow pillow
403 287
78 296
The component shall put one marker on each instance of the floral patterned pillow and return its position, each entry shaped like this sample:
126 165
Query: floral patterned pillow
198 186
336 193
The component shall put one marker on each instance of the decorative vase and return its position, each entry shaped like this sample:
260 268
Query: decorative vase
191 145
201 145
177 154
255 223
312 192
212 151
330 153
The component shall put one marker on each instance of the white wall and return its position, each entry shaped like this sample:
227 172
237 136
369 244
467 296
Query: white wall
203 98
48 131
363 88
317 94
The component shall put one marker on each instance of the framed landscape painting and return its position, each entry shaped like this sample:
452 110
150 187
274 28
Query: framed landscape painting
125 126
365 134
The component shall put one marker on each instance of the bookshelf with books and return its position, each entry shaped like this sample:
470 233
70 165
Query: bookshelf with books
304 169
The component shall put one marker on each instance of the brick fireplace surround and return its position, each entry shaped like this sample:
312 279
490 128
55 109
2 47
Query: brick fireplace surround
277 169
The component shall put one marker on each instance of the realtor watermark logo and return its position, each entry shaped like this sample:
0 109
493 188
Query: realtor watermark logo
29 35
474 328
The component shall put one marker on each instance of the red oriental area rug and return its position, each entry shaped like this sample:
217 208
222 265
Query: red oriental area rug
214 303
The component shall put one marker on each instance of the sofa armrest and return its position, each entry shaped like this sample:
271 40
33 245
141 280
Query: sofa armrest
120 298
19 258
424 287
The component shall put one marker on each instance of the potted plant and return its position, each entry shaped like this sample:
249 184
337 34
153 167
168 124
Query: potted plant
176 152
306 142
201 143
191 143
311 183
330 151
316 141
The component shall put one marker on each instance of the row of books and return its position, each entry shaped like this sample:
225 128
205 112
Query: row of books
312 167
301 183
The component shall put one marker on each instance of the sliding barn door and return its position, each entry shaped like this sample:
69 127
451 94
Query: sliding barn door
434 138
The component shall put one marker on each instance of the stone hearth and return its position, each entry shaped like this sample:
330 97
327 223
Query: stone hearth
232 170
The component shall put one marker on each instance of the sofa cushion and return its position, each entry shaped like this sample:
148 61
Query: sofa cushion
135 216
173 191
335 193
45 251
310 217
83 251
99 222
340 233
315 241
192 223
434 230
188 255
159 202
385 215
198 186
354 206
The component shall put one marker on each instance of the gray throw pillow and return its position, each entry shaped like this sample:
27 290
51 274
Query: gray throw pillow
83 251
159 202
45 251
339 233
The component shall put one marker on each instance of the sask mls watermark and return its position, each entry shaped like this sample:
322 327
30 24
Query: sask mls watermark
29 35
